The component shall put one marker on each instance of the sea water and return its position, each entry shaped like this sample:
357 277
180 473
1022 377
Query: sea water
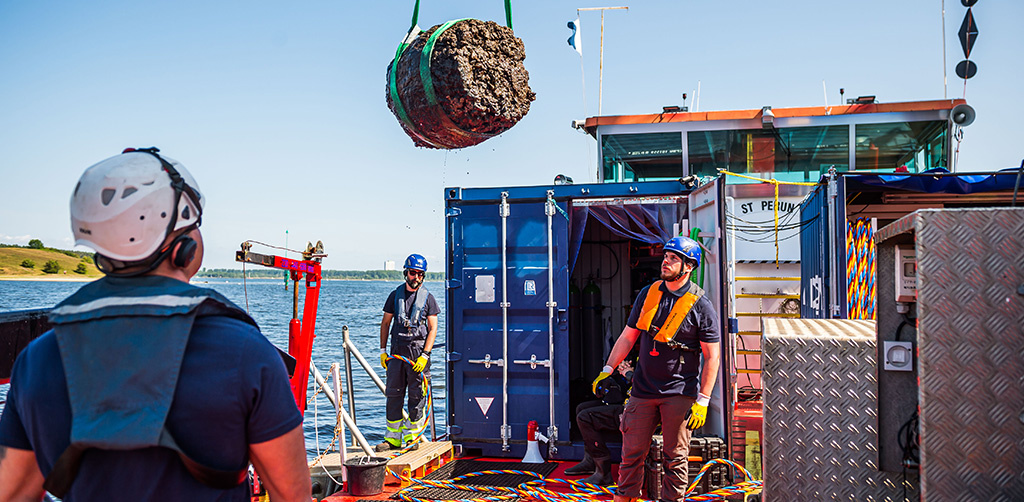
356 304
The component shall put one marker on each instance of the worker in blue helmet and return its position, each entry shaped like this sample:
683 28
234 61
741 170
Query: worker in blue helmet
410 318
676 325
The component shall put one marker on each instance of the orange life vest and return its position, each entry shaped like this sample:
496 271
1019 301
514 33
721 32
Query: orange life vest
666 332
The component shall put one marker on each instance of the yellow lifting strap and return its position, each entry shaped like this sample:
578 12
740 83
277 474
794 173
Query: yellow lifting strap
675 318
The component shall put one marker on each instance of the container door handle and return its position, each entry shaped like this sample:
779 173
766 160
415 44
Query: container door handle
487 361
533 362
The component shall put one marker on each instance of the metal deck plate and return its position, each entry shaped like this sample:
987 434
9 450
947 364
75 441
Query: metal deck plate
820 416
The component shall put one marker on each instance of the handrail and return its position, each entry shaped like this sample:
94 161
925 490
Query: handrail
322 382
362 361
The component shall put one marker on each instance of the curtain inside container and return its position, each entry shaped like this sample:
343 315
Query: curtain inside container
648 223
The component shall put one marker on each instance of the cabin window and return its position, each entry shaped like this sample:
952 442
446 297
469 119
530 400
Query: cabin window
788 154
641 157
918 146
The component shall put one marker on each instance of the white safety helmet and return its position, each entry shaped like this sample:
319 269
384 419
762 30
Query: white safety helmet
124 207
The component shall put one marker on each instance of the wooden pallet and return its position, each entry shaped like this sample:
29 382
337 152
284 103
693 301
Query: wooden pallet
418 463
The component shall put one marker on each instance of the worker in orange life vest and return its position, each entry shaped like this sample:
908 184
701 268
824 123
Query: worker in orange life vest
676 324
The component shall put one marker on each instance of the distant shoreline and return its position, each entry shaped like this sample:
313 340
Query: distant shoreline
47 278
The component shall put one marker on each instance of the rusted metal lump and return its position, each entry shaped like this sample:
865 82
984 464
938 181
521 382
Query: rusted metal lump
459 83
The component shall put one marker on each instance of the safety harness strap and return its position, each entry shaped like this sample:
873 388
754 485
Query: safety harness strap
682 307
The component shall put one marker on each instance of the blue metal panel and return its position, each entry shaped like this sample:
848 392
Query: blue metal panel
819 274
474 316
593 190
813 255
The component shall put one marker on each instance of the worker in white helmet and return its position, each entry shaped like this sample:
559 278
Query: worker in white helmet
148 388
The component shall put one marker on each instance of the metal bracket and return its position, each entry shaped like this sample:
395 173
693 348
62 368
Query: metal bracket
550 304
487 361
453 211
503 209
552 437
533 362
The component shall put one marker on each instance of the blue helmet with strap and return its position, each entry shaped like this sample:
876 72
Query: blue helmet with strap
685 247
416 262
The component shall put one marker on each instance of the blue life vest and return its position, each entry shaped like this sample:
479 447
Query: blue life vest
122 342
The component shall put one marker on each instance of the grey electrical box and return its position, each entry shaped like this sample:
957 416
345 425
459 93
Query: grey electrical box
965 330
899 356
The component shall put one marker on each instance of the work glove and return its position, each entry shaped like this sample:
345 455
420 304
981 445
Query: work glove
605 373
421 362
384 358
698 412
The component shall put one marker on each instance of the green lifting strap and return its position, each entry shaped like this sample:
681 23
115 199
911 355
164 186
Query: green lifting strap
427 79
393 85
508 14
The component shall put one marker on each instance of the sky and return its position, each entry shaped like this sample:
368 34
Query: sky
278 108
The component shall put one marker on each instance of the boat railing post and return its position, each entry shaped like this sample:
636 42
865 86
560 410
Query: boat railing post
549 210
506 430
321 381
339 421
346 342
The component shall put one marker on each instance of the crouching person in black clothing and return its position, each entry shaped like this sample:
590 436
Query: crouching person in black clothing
599 424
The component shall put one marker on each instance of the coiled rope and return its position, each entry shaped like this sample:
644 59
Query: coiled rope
538 488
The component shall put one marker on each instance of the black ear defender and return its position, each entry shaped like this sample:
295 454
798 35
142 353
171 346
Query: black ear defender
185 252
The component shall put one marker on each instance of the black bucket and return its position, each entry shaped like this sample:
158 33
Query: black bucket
365 475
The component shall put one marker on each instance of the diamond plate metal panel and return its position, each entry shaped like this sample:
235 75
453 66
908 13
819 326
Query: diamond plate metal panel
971 357
820 413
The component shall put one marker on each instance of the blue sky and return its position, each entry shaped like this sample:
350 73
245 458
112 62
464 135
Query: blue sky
278 108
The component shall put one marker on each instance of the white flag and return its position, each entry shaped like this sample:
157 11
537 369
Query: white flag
576 40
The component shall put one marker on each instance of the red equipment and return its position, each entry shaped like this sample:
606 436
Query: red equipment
300 332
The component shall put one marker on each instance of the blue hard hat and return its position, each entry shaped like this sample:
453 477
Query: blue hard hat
685 247
416 262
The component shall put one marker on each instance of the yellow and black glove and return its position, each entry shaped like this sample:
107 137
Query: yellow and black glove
421 362
384 358
605 373
698 412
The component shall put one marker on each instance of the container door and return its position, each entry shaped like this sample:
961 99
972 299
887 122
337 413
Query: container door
475 321
707 213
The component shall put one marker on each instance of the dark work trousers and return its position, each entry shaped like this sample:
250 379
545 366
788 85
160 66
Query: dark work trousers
599 425
639 420
401 377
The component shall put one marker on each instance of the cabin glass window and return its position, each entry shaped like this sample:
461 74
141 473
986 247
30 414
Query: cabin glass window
787 154
918 146
641 157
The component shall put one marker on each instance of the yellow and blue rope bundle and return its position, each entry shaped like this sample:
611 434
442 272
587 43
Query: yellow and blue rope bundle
537 489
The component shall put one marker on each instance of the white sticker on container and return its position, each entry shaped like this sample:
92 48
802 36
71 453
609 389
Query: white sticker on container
485 404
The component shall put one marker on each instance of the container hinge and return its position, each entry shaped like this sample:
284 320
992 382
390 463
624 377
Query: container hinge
487 361
533 362
454 356
454 283
454 430
453 211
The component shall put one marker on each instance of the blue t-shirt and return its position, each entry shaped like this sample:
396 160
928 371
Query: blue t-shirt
673 371
233 391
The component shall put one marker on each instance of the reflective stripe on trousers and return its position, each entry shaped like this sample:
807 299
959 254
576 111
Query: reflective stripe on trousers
393 434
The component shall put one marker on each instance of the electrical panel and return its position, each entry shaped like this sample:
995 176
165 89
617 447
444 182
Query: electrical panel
906 274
